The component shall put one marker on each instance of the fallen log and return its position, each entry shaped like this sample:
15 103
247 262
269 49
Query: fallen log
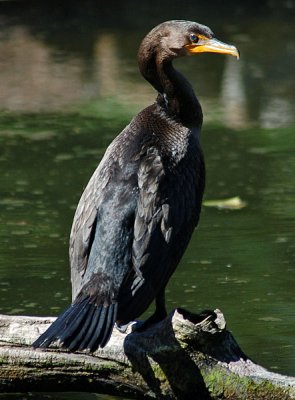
186 356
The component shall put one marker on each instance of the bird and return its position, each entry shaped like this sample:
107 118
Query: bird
138 212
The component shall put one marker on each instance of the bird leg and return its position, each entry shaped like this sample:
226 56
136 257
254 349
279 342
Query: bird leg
159 314
139 326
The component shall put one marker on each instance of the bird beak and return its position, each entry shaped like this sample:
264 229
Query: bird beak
206 45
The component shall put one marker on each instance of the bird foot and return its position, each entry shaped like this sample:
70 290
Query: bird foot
127 328
141 326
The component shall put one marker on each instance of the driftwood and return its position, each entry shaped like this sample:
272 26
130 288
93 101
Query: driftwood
186 356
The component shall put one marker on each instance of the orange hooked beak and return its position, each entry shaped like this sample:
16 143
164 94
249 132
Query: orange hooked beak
206 45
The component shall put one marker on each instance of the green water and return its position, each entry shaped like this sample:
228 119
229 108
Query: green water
63 102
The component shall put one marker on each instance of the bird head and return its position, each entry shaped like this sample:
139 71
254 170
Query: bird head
178 38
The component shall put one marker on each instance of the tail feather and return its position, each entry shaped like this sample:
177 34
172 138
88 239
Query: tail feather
109 323
96 339
83 325
91 330
49 335
74 322
80 334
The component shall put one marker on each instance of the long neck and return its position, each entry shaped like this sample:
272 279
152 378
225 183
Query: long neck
176 95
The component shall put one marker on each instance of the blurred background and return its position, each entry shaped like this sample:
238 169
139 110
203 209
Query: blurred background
69 83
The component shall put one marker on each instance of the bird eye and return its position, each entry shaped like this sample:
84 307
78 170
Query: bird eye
194 38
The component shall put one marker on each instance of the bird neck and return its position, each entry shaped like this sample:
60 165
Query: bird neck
176 96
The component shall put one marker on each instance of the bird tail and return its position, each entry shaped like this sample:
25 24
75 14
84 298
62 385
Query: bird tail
83 325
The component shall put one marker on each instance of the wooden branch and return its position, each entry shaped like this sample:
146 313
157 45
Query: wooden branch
186 356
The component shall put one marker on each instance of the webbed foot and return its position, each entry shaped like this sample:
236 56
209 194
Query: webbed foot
141 326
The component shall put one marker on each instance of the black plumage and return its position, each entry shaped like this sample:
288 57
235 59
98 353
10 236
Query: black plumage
139 209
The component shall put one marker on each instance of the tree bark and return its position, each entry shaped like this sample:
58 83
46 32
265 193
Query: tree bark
185 356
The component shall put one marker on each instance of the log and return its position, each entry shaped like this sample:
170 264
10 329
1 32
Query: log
185 356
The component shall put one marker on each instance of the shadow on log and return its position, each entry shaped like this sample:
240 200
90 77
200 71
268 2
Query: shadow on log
185 356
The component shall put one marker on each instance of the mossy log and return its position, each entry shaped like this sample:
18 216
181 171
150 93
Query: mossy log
186 356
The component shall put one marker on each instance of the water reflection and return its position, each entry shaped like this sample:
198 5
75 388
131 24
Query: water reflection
232 97
33 79
257 90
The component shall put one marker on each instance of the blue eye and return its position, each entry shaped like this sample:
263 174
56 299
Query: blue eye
194 38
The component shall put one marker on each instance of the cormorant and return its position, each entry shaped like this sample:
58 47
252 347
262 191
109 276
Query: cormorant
139 209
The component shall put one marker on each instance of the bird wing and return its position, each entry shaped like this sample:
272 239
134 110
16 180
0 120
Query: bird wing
151 239
150 225
103 213
83 229
167 210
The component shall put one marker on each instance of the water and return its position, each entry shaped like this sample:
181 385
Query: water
69 84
